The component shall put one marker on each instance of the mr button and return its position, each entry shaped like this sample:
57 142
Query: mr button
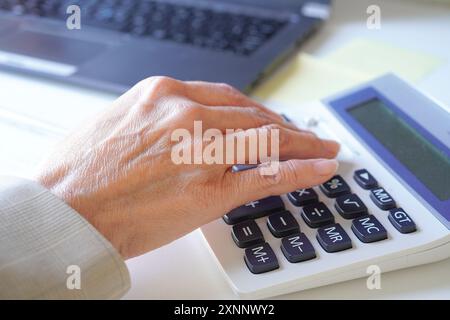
401 220
260 258
369 229
382 199
333 238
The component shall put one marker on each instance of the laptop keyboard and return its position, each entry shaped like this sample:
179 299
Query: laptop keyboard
202 27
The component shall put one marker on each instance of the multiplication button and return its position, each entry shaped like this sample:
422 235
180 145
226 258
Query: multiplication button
302 197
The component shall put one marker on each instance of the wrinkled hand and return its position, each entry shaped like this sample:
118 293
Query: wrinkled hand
118 173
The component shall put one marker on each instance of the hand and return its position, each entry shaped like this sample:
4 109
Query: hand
117 171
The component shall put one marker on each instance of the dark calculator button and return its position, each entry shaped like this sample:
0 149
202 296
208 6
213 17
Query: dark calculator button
317 215
260 258
333 238
335 187
350 206
365 179
302 197
382 199
246 234
369 229
401 220
282 224
254 209
297 248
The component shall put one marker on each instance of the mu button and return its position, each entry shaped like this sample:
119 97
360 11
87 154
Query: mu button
382 199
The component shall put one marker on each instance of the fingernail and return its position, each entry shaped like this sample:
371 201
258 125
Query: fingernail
331 146
325 167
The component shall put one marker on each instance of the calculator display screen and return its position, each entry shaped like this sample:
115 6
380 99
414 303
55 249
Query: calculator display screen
429 164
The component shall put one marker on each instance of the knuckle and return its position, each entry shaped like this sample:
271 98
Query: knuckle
228 88
193 112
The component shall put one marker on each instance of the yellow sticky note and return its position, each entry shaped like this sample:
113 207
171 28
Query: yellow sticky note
306 78
375 58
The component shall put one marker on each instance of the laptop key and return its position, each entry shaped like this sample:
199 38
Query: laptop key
335 187
260 258
317 215
297 248
369 229
302 197
365 179
401 220
382 199
246 234
282 224
333 238
254 209
350 206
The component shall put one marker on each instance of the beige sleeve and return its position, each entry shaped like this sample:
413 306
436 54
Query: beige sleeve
48 251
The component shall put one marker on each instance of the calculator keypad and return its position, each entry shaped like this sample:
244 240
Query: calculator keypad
365 179
332 237
297 248
350 206
382 199
335 187
255 209
317 215
303 197
260 258
246 234
282 224
401 220
369 229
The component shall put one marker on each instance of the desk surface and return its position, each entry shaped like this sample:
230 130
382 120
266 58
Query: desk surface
185 269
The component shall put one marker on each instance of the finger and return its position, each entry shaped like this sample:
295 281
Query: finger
245 186
220 94
276 143
231 117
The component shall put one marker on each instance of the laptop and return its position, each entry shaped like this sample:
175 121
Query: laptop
120 42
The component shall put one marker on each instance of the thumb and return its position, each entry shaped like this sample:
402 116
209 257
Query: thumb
289 175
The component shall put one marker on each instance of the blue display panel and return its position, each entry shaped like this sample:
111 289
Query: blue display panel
420 159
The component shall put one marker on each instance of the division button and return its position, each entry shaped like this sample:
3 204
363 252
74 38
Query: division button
317 215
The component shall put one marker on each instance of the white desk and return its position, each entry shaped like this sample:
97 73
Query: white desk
185 269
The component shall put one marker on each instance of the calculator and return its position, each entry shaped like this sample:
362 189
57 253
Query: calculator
388 205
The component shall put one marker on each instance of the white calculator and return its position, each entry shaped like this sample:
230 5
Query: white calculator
388 205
